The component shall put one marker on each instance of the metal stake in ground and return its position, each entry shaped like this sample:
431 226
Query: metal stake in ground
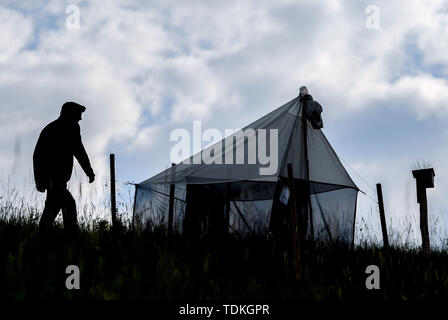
113 203
379 192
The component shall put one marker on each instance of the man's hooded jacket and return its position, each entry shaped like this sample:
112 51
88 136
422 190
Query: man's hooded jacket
312 110
58 142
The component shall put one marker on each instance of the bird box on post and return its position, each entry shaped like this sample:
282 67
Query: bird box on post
424 179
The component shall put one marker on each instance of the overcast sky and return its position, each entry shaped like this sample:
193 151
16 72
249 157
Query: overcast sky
145 68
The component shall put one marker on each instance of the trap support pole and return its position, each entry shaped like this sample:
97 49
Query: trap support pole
227 212
379 192
171 204
113 202
307 166
295 227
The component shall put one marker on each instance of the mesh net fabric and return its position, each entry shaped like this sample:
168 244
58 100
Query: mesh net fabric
241 189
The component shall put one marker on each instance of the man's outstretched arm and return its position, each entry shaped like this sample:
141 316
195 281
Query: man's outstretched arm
83 159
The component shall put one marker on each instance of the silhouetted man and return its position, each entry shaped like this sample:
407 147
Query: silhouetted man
312 109
58 142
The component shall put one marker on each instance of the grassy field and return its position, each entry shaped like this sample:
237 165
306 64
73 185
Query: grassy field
126 264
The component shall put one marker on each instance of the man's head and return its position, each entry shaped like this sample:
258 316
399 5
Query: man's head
72 111
303 91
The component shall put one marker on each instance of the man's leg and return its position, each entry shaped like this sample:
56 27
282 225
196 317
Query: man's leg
69 214
40 273
51 210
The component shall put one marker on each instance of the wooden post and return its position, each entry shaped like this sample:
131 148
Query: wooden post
295 227
379 192
171 203
113 203
424 219
424 179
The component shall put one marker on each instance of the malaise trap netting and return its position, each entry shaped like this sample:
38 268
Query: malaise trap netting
226 187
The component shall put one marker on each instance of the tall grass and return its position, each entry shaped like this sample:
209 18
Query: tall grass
142 264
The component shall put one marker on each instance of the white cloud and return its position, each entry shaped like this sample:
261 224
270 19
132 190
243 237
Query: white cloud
146 139
16 30
428 95
144 68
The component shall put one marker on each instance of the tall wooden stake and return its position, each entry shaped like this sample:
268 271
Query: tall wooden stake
424 219
171 204
379 192
113 203
295 227
424 179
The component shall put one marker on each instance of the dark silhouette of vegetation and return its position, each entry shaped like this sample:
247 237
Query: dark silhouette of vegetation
129 264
